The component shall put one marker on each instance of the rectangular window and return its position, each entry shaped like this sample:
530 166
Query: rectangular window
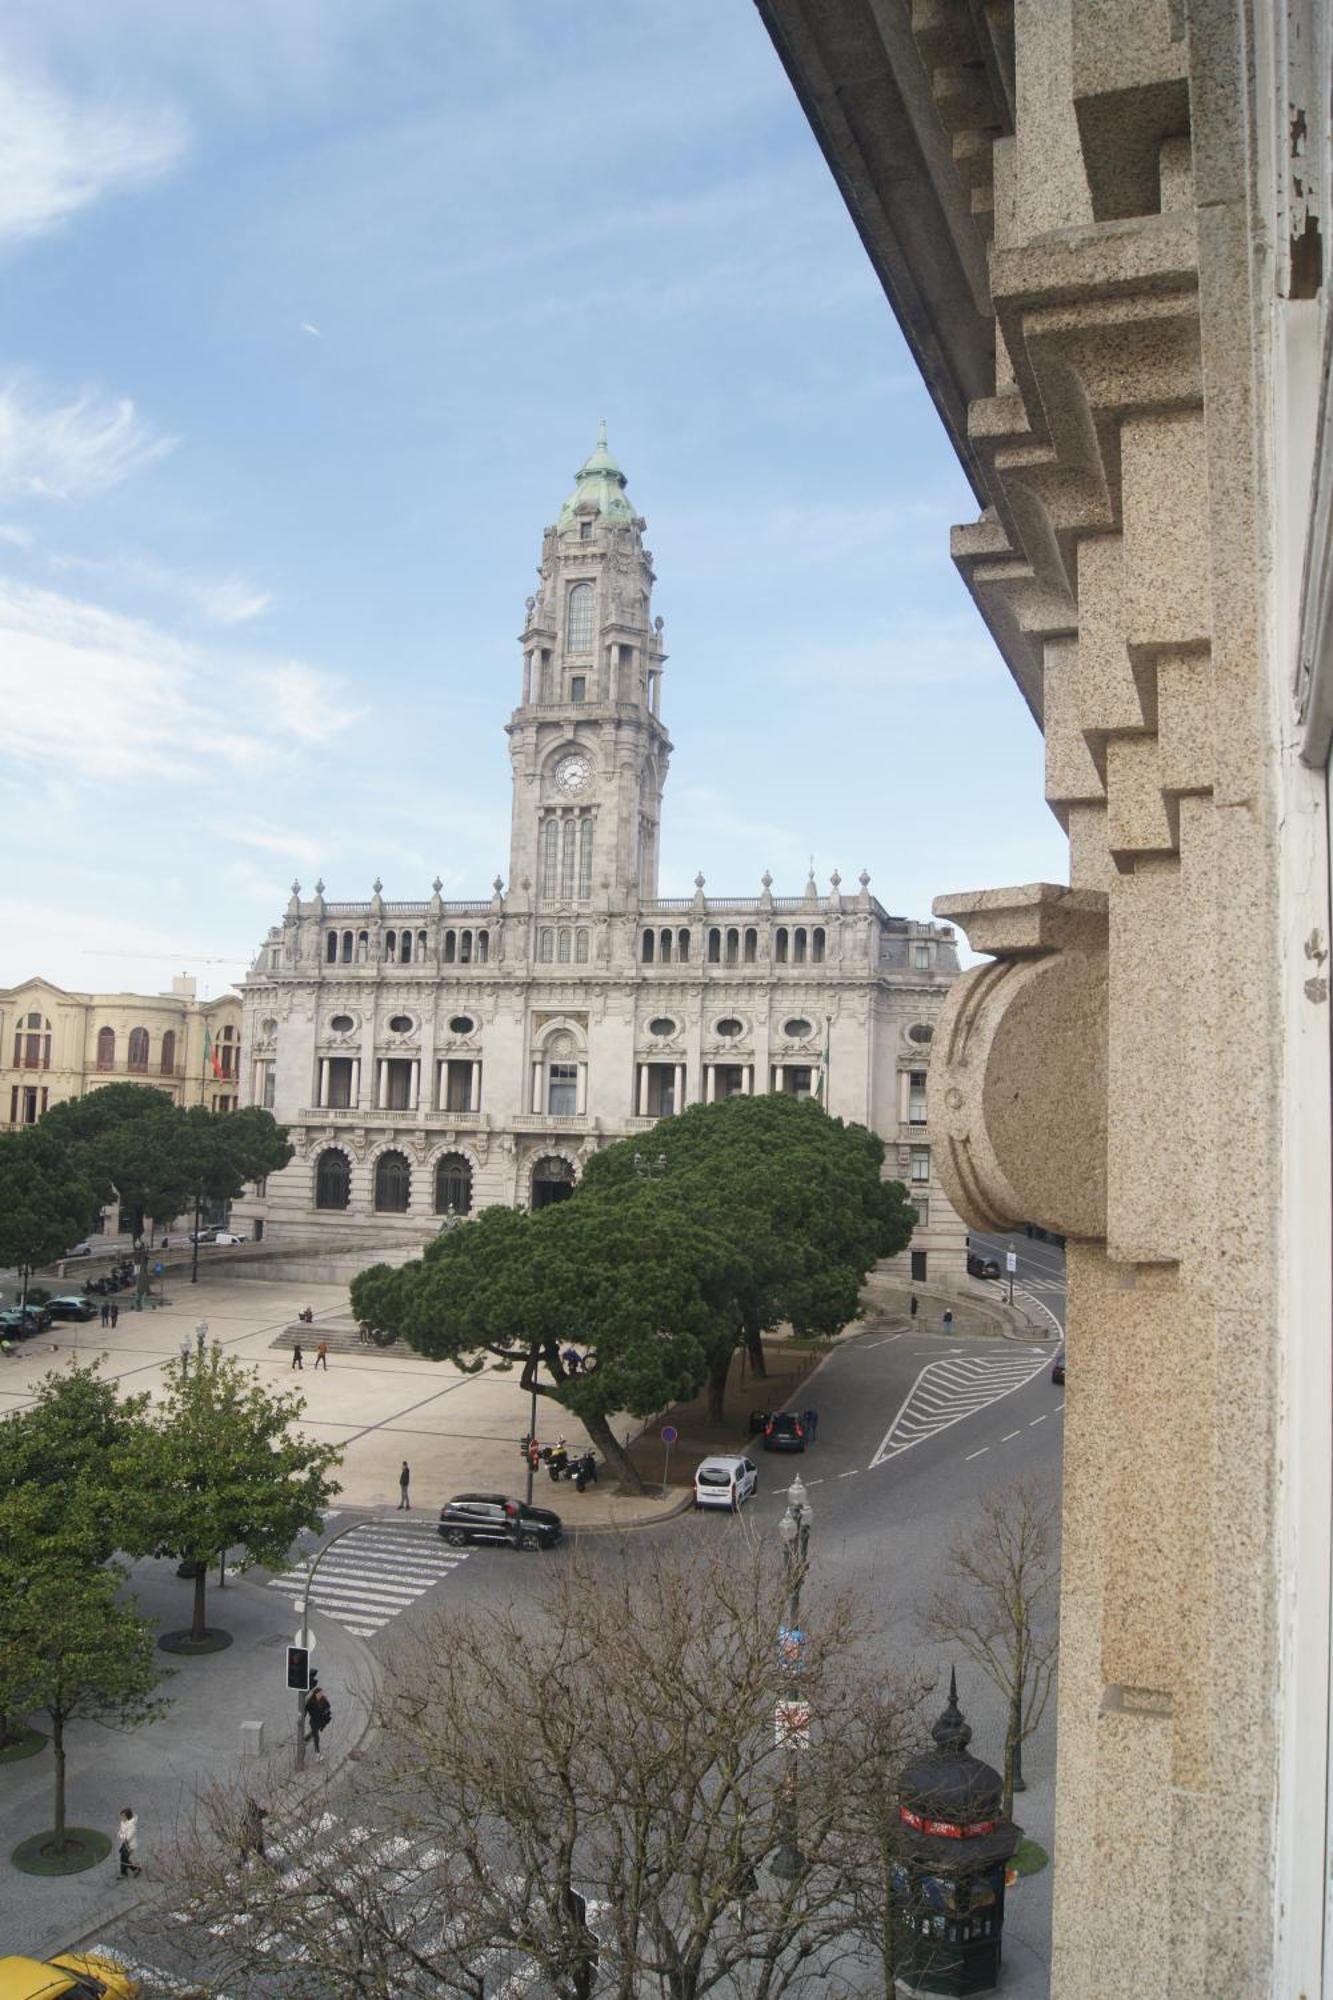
921 1163
585 531
562 1089
14 1104
921 1204
916 1097
728 1080
661 1101
578 687
796 1080
921 958
398 1082
569 834
267 1096
918 1267
340 1082
457 1086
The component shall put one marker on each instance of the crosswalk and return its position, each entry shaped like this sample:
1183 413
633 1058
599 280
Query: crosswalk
958 1386
375 1571
406 1878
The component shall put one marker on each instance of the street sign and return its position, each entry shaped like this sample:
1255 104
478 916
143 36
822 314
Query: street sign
791 1725
305 1638
1010 1261
669 1433
791 1645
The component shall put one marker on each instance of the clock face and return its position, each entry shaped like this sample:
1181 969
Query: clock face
573 774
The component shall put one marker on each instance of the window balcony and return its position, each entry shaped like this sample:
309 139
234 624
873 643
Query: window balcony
552 1121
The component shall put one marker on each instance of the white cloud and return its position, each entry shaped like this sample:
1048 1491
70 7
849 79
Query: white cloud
71 451
917 649
58 154
228 600
146 703
284 841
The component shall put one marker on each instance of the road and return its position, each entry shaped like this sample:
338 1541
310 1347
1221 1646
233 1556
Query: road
915 1429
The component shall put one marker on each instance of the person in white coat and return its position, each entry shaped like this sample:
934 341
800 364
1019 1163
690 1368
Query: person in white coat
127 1842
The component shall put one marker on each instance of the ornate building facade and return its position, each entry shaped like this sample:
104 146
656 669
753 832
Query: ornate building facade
438 1056
1103 226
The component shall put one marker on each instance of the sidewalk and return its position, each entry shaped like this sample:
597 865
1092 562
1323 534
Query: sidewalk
158 1769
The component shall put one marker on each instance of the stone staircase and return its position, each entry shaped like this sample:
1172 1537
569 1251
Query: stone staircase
341 1335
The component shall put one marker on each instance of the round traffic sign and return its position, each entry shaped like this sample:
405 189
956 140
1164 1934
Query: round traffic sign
669 1433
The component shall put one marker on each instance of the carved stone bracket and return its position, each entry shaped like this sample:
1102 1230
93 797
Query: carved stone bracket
1017 1081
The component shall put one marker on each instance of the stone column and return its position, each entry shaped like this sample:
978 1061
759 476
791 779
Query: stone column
474 1089
537 1068
323 1080
382 1097
680 1086
414 1087
354 1095
710 1082
747 1080
643 1090
581 1090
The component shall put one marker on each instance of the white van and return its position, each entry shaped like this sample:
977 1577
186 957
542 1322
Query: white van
725 1482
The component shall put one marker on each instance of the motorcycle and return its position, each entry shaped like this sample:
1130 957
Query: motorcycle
585 1470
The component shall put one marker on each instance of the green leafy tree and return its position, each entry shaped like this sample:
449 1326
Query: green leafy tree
57 1455
223 1150
70 1649
46 1199
219 1467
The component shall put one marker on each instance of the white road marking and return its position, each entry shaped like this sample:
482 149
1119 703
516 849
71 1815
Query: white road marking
850 1475
372 1574
948 1390
1039 1420
979 1454
1039 1305
1010 1434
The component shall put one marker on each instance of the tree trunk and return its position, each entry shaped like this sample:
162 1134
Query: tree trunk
754 1347
194 1241
719 1368
198 1629
599 1430
1012 1738
58 1746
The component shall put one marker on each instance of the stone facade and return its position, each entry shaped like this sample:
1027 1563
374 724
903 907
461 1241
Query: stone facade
56 1045
444 1054
1102 228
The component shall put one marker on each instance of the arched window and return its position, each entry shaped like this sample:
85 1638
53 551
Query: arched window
780 946
32 1043
798 947
715 947
333 1180
751 946
391 946
564 948
393 1184
817 947
229 1053
682 945
483 946
421 946
648 941
581 947
405 952
664 948
567 860
465 948
139 1048
585 860
331 948
169 1053
733 947
550 855
106 1048
578 623
450 947
347 947
362 947
453 1185
546 950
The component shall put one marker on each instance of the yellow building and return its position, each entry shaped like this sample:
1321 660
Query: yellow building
56 1045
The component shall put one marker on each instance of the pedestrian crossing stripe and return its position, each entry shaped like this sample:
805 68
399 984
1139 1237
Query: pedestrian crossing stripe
370 1575
947 1391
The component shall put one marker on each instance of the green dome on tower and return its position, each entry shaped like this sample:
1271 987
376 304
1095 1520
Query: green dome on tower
600 482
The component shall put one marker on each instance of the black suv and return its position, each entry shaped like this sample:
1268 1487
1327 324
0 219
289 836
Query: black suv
982 1267
490 1517
784 1431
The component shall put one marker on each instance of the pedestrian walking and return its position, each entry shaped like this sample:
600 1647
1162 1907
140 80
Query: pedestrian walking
106 1312
298 1360
572 1359
404 1483
810 1423
948 1320
319 1714
115 1311
534 1453
363 1332
127 1843
912 1305
322 1356
252 1830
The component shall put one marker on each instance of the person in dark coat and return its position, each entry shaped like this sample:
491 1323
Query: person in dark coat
298 1359
911 1305
115 1311
106 1312
252 1830
404 1487
319 1714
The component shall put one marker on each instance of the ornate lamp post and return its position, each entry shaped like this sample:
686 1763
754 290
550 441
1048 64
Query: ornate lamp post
793 1716
650 1170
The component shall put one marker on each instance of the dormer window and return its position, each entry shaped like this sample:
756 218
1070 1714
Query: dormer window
578 687
578 624
585 530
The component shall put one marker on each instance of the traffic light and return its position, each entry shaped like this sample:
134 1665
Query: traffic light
298 1667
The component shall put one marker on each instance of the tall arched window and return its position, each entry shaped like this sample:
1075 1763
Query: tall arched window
362 947
664 948
751 946
347 947
465 947
331 948
550 854
139 1048
393 1184
578 625
405 954
450 947
798 947
106 1048
648 940
780 946
169 1052
714 947
581 948
567 860
333 1180
564 948
733 947
585 860
32 1043
483 947
817 947
391 946
421 947
682 945
453 1185
546 947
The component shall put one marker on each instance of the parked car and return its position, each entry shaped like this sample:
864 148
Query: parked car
225 1236
22 1321
84 1249
71 1308
725 1482
784 1431
1058 1365
73 1975
982 1267
492 1517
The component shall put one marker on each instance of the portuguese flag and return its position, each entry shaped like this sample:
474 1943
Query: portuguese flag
212 1060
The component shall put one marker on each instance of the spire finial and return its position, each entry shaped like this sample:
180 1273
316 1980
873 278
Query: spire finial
601 436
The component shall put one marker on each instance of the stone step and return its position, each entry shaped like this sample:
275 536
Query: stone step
339 1339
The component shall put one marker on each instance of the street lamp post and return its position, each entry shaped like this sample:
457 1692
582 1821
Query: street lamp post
793 1721
650 1170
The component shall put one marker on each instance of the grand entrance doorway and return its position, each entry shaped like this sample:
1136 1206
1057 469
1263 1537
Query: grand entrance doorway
552 1180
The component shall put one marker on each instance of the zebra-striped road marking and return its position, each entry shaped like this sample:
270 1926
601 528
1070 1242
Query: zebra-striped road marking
948 1390
372 1574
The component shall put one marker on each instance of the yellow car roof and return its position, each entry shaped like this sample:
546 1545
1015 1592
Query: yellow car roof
49 1979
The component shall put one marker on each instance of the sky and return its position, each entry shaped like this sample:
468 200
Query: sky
309 310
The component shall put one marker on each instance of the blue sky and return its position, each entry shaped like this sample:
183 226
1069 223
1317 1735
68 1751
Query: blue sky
309 312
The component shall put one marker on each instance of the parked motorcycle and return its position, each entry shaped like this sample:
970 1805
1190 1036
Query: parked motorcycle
585 1470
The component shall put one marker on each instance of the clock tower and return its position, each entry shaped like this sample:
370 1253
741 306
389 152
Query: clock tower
587 745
